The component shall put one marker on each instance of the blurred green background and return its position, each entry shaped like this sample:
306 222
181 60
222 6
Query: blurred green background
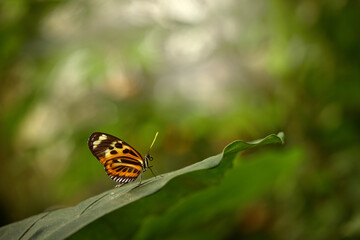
202 73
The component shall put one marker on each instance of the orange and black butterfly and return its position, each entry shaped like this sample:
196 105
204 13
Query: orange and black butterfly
122 162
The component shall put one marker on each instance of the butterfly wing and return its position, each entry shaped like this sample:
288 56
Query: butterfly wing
121 170
122 163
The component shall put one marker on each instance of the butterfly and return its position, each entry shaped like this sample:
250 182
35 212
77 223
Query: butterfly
122 162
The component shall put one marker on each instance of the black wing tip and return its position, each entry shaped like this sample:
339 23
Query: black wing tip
91 140
93 137
100 133
96 134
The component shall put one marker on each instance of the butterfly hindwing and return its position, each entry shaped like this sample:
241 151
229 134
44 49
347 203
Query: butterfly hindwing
122 170
122 162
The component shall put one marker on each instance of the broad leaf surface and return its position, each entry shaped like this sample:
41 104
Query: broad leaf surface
62 223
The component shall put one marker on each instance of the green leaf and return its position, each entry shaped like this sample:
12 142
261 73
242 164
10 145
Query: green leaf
241 184
62 223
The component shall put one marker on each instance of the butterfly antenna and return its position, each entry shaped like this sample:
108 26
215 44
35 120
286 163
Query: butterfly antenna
153 142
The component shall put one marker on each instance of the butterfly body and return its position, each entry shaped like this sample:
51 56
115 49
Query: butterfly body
122 162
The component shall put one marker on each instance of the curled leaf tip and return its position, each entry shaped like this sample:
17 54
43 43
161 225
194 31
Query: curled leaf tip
281 135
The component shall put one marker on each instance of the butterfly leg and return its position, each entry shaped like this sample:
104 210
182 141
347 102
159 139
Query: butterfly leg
140 179
157 173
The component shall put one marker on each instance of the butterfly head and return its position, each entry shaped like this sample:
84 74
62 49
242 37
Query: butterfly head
149 157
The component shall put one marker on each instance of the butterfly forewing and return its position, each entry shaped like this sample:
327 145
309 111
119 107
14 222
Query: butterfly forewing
122 162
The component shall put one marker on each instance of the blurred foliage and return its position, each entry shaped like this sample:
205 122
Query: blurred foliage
202 73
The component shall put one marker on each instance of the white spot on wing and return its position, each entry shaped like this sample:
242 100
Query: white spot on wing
97 142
